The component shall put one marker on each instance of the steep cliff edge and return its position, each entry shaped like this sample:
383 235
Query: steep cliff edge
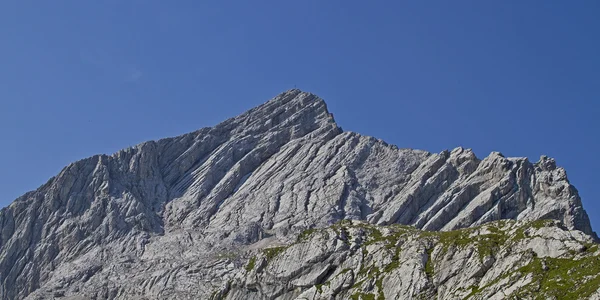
170 206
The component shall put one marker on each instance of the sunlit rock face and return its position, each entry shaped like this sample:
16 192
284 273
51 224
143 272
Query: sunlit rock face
176 218
354 260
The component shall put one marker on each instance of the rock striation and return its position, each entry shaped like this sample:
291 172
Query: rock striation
497 260
175 218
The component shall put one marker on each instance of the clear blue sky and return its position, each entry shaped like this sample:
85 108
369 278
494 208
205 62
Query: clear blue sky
79 78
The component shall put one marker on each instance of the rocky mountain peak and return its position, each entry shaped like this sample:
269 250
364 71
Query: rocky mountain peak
296 109
127 224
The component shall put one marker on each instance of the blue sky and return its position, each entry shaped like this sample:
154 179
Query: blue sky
85 77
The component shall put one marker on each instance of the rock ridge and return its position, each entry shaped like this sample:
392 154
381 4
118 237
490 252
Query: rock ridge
256 179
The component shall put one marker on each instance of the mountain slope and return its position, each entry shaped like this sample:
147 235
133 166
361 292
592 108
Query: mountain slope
259 178
497 260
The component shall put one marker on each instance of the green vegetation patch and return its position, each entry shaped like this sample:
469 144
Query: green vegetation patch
251 264
362 296
394 264
563 278
486 243
271 253
319 287
306 234
556 278
521 232
379 285
429 268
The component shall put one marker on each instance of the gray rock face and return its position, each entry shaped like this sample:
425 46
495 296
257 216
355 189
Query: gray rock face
156 220
497 260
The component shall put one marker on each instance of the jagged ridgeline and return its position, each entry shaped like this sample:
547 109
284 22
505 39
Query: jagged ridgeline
280 203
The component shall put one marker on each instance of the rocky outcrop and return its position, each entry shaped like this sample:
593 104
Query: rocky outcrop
354 260
168 209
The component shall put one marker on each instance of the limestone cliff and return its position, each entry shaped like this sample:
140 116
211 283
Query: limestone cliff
163 219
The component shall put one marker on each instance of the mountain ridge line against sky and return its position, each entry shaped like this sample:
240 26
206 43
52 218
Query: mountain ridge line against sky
86 78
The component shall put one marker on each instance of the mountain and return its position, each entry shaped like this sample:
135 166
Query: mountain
181 217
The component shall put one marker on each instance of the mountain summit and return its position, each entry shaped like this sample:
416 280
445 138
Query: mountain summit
176 218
